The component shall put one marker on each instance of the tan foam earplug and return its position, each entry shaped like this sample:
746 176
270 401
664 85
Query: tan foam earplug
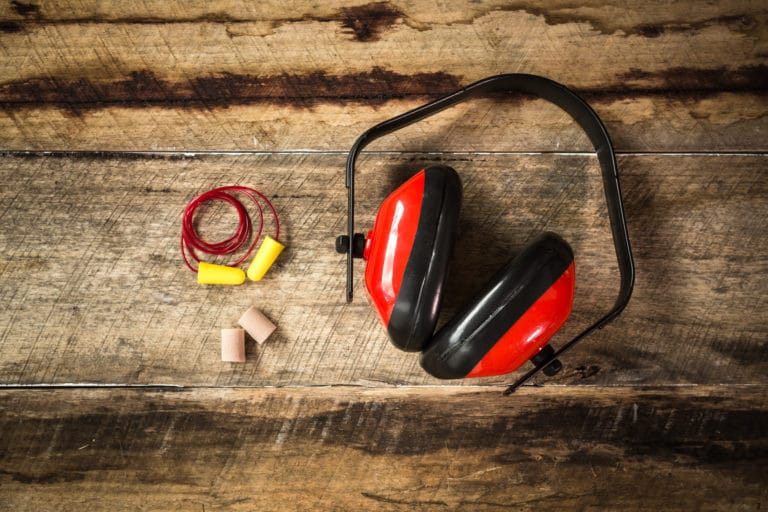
256 324
233 345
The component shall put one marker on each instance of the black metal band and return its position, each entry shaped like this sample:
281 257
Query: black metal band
586 118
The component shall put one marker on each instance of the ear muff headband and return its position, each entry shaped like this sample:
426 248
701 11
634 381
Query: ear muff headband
584 116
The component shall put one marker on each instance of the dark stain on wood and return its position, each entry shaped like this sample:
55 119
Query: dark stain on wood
607 438
742 351
597 443
743 23
164 190
743 79
364 22
24 9
659 425
10 27
44 478
650 31
683 83
368 21
142 89
586 372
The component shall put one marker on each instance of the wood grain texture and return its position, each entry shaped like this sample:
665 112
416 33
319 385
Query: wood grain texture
663 410
567 449
92 287
687 76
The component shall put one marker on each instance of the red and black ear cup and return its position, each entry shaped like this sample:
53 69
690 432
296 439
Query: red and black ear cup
408 253
511 319
508 323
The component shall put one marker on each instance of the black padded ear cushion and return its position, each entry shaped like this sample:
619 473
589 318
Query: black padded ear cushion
467 337
414 314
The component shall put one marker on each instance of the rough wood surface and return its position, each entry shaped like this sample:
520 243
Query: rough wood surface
92 287
678 449
680 76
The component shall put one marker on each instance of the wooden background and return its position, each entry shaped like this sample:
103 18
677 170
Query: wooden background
114 115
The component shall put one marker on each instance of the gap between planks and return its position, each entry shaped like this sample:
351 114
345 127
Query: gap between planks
384 386
117 154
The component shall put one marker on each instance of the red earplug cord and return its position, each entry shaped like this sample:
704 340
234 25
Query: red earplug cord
191 240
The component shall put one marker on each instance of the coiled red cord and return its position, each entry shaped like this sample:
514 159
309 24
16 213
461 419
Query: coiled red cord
191 240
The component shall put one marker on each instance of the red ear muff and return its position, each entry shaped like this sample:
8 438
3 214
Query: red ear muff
511 319
518 311
408 252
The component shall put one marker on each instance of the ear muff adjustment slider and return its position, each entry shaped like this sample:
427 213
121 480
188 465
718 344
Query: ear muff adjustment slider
358 245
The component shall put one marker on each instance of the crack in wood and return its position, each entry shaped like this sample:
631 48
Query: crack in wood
412 503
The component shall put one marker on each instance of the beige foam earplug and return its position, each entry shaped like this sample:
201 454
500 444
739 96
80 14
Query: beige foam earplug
256 325
233 345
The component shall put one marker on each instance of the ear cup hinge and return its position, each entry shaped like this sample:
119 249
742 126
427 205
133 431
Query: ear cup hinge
546 360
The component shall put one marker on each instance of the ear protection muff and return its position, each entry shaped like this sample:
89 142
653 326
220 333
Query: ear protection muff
511 318
514 315
408 253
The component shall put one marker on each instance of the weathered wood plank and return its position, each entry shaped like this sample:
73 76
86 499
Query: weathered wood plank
700 448
92 288
292 75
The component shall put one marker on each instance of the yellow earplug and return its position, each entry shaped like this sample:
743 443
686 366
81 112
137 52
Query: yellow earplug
266 255
209 273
